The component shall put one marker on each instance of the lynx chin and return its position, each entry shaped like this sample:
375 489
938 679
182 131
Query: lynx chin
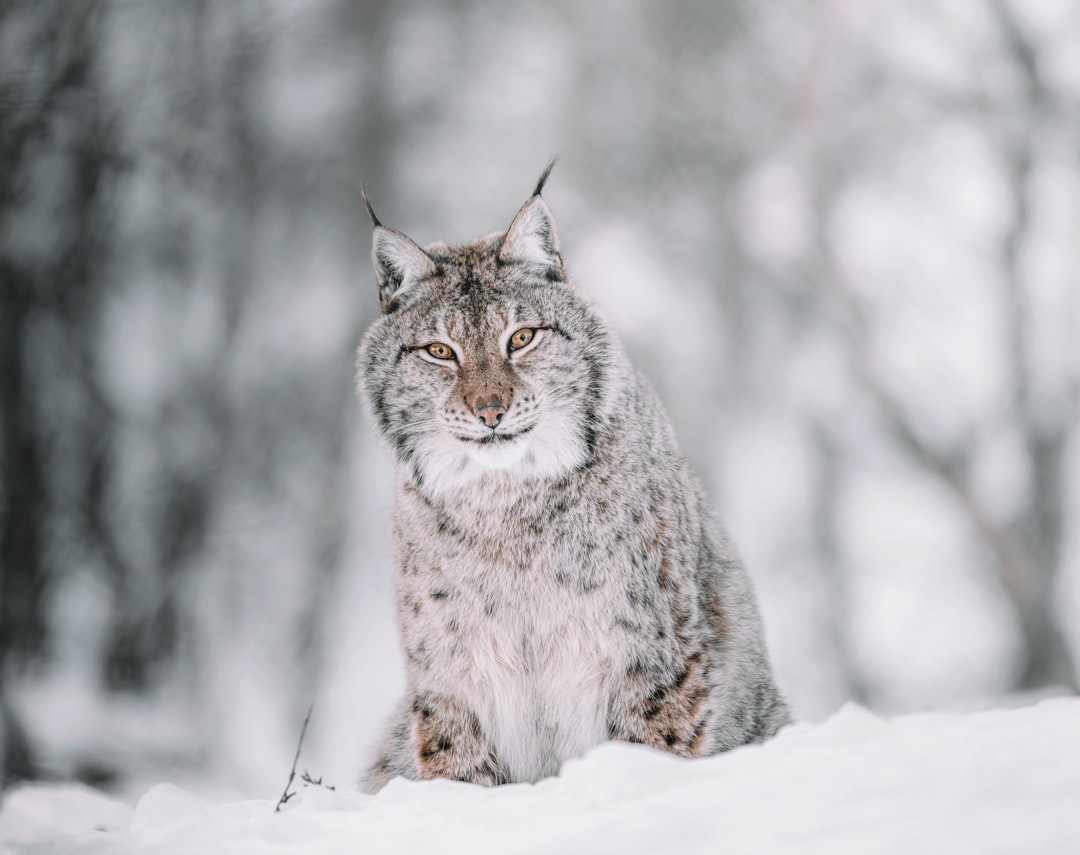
560 580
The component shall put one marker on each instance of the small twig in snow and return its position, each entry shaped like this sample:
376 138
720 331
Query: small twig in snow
285 796
316 782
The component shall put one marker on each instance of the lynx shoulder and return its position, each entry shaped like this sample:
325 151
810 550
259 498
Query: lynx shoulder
559 580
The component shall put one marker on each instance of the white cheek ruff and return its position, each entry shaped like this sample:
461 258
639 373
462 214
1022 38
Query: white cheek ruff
499 456
556 446
551 449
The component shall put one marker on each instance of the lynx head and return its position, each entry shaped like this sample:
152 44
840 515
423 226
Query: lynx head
486 364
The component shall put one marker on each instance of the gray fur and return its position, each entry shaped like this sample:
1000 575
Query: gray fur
564 586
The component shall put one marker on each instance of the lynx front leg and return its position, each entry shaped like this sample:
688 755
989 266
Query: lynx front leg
449 742
664 709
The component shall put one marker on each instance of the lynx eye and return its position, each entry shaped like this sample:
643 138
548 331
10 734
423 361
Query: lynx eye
440 350
521 338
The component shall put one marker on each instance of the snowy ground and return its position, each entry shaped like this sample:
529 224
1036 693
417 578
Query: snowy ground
990 782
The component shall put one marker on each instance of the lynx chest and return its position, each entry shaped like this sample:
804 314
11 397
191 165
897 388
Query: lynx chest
507 627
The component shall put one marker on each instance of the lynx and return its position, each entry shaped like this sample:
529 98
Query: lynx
559 580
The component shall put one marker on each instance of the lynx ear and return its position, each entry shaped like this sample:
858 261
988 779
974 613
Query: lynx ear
531 238
399 264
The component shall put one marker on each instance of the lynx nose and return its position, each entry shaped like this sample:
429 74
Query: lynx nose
490 412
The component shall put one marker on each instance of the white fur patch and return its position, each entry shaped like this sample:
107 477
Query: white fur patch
550 449
542 697
500 456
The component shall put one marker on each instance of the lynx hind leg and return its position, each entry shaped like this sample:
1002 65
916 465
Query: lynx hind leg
750 715
396 756
773 713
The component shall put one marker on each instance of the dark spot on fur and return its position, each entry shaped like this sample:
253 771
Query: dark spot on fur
555 273
628 625
441 594
453 627
378 405
419 656
653 703
639 597
588 584
444 743
590 422
446 527
695 737
670 738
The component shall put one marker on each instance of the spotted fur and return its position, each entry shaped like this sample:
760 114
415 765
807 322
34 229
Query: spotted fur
559 579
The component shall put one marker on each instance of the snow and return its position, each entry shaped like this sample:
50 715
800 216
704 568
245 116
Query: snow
997 781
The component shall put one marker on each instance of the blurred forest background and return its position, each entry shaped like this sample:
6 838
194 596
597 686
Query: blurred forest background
841 238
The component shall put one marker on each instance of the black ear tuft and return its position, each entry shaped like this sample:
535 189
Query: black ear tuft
544 176
371 211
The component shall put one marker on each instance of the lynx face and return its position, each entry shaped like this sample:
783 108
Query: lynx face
486 364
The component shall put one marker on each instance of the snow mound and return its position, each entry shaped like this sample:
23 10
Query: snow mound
992 782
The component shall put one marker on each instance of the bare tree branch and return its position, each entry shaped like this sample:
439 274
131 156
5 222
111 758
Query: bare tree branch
286 795
1026 550
1024 53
